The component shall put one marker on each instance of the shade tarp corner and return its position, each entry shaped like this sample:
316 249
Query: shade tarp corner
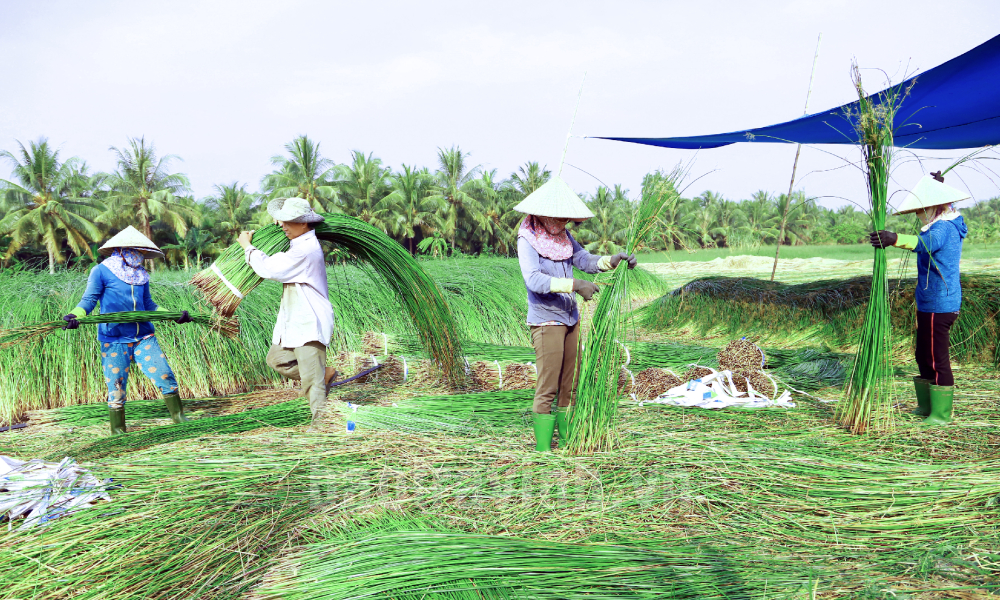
953 105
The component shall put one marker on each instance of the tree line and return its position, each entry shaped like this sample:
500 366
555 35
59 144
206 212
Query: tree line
57 211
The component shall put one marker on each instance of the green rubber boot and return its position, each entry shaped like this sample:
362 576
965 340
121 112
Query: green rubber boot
941 399
923 389
173 402
117 417
563 416
545 426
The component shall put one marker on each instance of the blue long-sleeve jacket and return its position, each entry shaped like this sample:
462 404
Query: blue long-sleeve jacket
939 251
114 295
538 271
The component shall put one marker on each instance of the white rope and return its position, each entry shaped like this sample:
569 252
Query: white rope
628 356
374 360
232 288
385 339
500 373
406 370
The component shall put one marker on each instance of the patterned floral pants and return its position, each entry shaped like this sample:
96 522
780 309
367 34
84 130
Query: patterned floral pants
117 360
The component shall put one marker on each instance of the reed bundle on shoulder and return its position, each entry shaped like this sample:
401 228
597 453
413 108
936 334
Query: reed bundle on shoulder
230 278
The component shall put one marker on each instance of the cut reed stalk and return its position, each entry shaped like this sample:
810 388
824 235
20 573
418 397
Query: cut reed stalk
229 328
868 406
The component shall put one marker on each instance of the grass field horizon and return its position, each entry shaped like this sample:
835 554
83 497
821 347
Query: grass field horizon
848 252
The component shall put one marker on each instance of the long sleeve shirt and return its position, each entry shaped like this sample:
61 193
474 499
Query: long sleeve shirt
114 295
939 253
544 305
305 314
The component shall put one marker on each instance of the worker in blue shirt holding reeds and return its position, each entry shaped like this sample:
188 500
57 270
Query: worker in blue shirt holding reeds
547 254
121 284
939 291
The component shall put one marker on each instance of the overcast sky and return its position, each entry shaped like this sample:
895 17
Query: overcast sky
225 84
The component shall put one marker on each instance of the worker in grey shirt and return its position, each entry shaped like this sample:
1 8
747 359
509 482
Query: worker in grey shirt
547 254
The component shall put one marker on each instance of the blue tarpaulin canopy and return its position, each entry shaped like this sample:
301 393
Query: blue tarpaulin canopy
953 105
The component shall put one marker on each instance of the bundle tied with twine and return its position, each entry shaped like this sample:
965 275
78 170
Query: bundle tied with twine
519 376
868 406
228 327
602 355
230 278
651 382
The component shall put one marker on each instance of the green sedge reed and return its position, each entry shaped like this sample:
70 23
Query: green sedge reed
29 333
868 406
603 352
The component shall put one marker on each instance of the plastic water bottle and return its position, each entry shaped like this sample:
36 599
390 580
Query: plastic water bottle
350 427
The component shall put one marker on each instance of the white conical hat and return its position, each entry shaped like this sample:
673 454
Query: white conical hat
131 238
930 192
554 199
292 210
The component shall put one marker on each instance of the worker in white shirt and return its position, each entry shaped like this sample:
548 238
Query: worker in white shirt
305 317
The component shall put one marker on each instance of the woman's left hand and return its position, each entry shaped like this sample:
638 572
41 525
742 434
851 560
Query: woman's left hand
617 258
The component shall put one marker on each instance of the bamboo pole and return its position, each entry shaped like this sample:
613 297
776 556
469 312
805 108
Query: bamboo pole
795 165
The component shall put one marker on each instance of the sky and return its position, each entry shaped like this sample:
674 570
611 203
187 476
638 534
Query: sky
225 84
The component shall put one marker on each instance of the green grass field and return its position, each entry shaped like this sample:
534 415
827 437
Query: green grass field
438 494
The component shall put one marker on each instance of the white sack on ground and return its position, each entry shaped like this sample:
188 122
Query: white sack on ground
41 491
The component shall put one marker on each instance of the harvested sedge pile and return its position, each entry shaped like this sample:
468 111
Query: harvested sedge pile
519 376
696 372
229 279
652 382
602 353
868 405
626 382
740 355
484 375
374 343
29 333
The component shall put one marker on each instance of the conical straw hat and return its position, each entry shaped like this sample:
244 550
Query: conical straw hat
930 192
131 238
554 199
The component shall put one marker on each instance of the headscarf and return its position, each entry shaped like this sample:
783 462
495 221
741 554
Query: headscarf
126 264
943 212
547 236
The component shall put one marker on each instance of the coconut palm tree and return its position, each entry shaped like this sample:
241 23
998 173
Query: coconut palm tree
495 222
412 212
195 241
303 174
143 190
38 206
451 192
233 206
364 184
605 232
528 178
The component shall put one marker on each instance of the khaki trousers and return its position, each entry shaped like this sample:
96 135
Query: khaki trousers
557 356
306 364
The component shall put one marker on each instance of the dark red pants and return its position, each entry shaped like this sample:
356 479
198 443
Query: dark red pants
933 345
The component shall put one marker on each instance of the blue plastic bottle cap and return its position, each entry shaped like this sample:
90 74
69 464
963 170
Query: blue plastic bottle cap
350 426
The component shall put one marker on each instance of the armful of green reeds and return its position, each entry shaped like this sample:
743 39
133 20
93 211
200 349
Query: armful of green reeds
27 333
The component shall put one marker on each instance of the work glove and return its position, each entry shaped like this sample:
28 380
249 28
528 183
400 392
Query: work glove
71 322
185 317
630 258
882 239
585 288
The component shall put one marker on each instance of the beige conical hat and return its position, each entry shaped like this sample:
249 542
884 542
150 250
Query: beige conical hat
930 192
131 238
554 199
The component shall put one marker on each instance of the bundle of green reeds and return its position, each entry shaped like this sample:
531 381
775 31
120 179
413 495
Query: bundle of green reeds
603 353
29 333
227 281
868 406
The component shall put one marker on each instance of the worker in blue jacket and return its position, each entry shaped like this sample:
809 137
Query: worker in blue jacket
121 284
939 291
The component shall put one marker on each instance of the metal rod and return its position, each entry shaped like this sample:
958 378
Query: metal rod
571 124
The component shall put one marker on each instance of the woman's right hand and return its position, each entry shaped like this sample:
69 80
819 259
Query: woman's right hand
585 288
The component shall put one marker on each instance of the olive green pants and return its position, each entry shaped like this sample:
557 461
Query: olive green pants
557 355
306 364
